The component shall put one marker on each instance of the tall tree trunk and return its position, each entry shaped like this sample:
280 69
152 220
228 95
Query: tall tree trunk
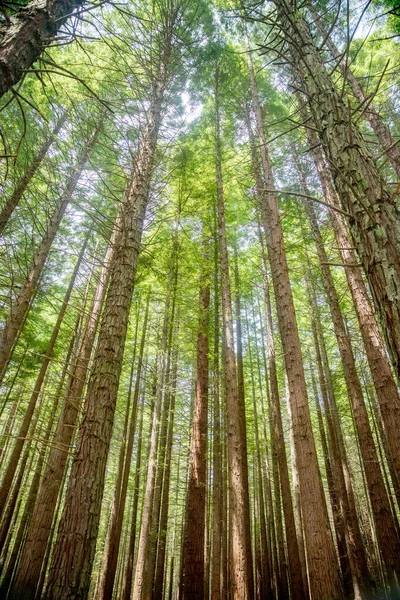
384 382
166 397
13 201
18 447
373 216
75 545
146 562
338 516
386 530
241 568
115 525
30 31
128 574
358 562
21 474
20 309
298 584
34 487
40 528
217 514
265 576
170 391
8 427
321 559
163 524
141 576
194 540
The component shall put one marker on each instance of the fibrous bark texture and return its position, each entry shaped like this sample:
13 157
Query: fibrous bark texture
75 545
194 549
31 29
321 559
373 217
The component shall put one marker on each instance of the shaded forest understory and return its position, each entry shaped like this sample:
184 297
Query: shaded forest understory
199 300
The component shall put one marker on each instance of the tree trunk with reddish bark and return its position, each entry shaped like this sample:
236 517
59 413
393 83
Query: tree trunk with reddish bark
194 541
40 529
241 568
321 558
372 214
385 526
23 431
74 550
217 445
383 378
22 303
117 515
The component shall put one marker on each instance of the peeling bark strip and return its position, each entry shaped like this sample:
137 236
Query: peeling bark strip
375 223
31 29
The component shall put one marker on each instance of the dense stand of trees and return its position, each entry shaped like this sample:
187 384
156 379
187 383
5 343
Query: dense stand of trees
200 300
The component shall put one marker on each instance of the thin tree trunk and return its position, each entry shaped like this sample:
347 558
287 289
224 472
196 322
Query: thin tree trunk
147 510
146 563
21 306
338 446
194 541
258 559
30 31
265 574
170 392
18 447
297 513
40 528
359 569
13 201
338 517
217 513
128 575
163 525
9 425
165 366
225 547
298 585
23 472
272 520
241 568
34 487
321 558
115 526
